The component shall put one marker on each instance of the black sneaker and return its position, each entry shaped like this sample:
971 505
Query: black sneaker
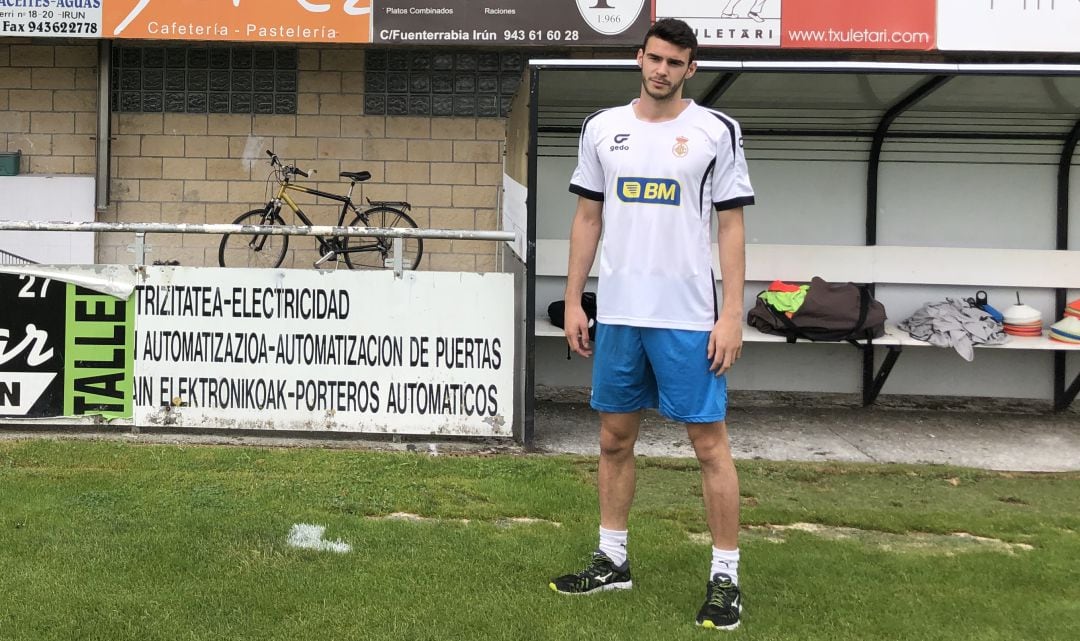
723 604
601 575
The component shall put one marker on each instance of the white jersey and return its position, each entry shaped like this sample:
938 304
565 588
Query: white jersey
659 182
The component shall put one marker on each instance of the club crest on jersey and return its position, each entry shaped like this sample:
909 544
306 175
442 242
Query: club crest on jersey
681 148
655 191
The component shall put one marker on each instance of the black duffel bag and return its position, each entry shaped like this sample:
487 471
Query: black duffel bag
830 312
557 310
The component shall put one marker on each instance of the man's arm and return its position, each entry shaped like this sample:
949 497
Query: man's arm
584 239
725 342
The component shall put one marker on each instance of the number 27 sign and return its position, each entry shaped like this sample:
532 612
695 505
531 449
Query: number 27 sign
243 20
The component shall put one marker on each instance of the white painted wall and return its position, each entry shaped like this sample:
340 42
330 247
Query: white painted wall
949 205
45 198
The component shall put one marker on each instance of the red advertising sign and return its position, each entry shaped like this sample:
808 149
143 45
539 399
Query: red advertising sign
806 24
858 24
244 20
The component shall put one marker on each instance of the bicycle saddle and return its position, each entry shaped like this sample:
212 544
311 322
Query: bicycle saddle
356 175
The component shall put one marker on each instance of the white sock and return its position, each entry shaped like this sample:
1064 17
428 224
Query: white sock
725 562
613 544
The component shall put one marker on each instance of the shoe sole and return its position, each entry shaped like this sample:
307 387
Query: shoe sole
709 625
625 585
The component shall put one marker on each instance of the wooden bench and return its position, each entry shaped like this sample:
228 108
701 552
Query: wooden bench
885 265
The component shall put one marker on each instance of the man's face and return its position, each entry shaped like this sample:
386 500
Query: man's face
664 69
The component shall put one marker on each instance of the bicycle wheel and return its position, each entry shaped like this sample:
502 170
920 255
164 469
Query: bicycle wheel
254 250
378 253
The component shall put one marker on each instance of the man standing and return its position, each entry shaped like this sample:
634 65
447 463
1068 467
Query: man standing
648 176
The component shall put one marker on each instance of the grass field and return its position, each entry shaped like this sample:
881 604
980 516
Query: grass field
111 541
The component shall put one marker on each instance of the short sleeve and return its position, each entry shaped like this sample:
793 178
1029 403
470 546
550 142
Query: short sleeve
588 178
731 179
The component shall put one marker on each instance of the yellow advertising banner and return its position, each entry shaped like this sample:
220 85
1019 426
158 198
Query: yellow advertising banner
239 20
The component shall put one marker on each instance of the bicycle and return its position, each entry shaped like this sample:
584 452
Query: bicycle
268 250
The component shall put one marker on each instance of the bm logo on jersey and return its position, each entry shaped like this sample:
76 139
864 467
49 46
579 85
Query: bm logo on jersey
656 191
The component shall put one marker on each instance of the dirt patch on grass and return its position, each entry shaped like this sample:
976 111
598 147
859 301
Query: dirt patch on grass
912 542
510 521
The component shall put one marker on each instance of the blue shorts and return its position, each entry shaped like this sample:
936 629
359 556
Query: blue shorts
635 368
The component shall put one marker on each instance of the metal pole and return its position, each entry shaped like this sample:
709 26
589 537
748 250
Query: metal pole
139 248
528 426
271 230
104 126
399 264
1068 150
873 165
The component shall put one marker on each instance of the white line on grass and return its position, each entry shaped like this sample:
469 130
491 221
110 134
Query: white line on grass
310 537
502 522
925 542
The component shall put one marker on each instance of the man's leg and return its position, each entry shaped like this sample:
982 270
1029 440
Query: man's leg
719 481
618 433
720 487
609 568
729 9
623 384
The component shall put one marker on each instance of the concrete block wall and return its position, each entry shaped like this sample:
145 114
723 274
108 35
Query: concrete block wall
202 168
211 168
48 104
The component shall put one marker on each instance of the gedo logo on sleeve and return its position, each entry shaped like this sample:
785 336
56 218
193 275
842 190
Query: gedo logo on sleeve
610 17
247 20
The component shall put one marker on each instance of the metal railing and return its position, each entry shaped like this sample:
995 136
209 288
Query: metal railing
7 258
142 229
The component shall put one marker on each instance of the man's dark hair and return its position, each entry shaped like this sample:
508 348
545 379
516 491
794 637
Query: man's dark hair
674 31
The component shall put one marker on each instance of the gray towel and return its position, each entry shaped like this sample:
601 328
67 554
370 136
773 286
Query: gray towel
955 324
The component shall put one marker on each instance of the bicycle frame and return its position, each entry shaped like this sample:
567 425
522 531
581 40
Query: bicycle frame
346 204
329 247
388 250
333 245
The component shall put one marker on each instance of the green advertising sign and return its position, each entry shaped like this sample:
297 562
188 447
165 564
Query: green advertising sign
98 354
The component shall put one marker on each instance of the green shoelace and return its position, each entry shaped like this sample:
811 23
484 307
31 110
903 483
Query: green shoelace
720 596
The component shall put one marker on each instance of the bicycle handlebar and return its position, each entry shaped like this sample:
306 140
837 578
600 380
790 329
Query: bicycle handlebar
288 169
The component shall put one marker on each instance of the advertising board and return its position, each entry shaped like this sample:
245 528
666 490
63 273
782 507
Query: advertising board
1008 25
914 25
51 18
239 20
357 351
807 24
64 350
511 22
